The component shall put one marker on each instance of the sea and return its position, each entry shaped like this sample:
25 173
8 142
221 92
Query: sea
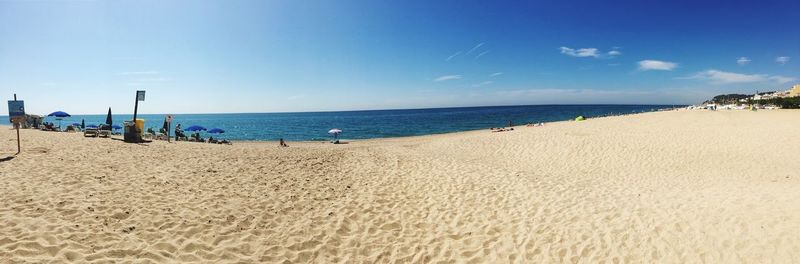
314 126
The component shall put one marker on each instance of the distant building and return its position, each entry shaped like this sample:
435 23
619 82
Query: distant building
795 91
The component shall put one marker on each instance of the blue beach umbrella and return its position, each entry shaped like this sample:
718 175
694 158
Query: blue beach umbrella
116 127
59 115
216 131
195 128
92 126
109 121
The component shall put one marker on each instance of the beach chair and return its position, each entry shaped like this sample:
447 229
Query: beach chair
104 131
90 132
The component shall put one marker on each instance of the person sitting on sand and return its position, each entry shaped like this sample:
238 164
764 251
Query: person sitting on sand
212 140
282 143
197 137
179 133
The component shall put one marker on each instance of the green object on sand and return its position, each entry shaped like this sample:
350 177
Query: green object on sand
580 118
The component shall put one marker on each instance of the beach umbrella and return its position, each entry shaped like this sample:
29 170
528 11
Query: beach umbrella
92 126
59 115
116 127
195 128
108 117
216 131
83 123
335 132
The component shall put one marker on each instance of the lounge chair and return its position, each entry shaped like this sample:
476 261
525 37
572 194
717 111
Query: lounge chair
104 131
90 132
49 127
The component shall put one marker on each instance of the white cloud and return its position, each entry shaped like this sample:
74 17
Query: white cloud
656 65
743 61
584 52
482 84
453 56
729 77
495 74
590 52
782 60
447 78
781 79
481 54
722 77
474 48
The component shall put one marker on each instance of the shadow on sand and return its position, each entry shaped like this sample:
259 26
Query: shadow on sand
7 158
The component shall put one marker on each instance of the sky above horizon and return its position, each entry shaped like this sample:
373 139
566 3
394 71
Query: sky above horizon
282 56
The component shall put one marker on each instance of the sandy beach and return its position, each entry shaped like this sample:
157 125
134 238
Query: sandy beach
663 187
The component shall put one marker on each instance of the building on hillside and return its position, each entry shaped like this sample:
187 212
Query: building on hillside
795 91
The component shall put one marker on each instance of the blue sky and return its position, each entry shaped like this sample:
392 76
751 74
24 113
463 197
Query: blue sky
275 56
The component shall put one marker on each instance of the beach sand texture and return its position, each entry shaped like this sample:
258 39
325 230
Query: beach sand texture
668 187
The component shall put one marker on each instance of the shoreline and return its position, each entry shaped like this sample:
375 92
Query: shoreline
411 136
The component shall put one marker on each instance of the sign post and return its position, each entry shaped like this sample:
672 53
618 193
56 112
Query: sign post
16 114
139 97
169 125
132 133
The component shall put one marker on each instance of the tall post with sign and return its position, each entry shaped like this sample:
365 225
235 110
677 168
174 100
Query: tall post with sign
16 114
139 97
132 133
168 122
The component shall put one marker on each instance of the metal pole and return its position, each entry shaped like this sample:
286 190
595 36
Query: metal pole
17 124
135 107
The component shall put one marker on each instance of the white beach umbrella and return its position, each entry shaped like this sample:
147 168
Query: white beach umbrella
335 132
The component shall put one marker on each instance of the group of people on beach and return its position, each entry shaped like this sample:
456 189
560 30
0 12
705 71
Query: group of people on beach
510 124
501 129
180 135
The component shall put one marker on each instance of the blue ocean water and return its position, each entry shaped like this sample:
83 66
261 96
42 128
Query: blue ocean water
372 123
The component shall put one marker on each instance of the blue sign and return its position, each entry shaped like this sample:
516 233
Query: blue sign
16 109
